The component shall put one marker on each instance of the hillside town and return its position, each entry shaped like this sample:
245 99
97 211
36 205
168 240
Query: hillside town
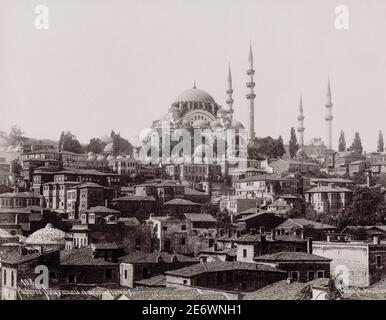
109 221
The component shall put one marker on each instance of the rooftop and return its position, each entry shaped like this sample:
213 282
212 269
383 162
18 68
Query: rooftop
82 257
182 202
300 222
200 217
219 266
290 256
155 257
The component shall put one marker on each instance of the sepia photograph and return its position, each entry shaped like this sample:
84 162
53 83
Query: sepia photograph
193 156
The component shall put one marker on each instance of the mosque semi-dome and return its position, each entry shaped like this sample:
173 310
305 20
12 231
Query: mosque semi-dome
200 124
46 236
237 124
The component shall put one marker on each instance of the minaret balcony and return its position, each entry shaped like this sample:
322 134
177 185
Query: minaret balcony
301 129
250 84
229 91
301 118
250 72
229 101
250 96
329 118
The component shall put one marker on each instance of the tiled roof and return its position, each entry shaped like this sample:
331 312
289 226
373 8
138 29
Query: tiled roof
182 202
102 209
280 290
331 180
135 198
218 266
247 238
82 257
200 217
291 222
87 185
156 281
190 191
155 257
16 258
290 256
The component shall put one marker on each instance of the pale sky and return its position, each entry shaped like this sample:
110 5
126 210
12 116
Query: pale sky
119 64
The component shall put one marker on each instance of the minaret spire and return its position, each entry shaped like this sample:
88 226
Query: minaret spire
251 97
229 92
301 123
329 116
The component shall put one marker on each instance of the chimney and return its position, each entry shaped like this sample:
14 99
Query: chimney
106 203
376 240
309 245
302 234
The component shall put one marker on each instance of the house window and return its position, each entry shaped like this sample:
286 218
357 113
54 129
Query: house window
71 278
183 227
295 275
183 241
125 274
379 261
310 275
145 272
109 274
244 253
185 281
320 274
137 244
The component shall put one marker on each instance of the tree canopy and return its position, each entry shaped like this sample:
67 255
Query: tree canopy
293 143
342 142
381 144
69 142
357 144
266 147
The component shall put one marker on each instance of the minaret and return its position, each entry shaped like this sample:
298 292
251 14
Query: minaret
329 117
251 98
301 124
229 91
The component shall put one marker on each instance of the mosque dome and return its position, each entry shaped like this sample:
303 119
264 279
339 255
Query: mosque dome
109 147
200 124
194 95
237 125
45 236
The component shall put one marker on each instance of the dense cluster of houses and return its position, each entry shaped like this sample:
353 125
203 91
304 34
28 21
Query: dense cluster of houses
93 224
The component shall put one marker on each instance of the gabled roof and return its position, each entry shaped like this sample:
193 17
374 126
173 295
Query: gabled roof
256 238
182 202
263 177
218 266
102 209
135 198
200 217
291 256
82 257
301 223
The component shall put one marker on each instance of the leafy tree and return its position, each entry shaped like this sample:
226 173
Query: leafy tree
357 144
293 143
266 147
121 145
95 145
381 144
367 207
342 142
280 150
69 142
15 136
211 208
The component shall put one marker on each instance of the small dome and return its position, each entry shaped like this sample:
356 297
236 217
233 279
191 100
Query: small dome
110 157
237 124
109 147
222 113
91 158
216 124
200 124
101 158
185 123
120 157
47 235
